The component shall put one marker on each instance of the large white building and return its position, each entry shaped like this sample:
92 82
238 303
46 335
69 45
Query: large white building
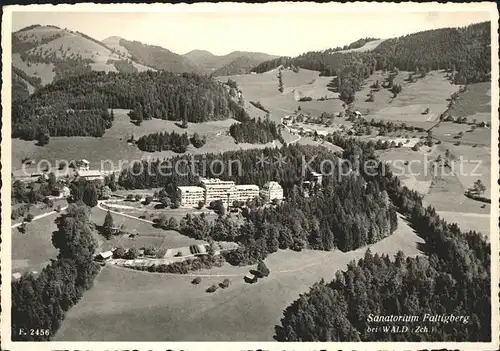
216 189
272 190
191 195
246 192
212 189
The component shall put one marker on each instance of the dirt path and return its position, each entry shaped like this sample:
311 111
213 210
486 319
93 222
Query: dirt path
43 215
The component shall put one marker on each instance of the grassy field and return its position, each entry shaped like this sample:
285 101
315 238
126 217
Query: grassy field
33 249
147 234
475 103
264 88
448 132
416 175
40 208
129 305
469 221
428 92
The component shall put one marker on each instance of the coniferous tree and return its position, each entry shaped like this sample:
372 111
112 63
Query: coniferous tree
108 225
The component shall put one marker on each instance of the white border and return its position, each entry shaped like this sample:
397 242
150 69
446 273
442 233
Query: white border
5 253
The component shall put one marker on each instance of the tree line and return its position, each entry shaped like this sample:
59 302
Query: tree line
225 166
169 141
40 301
255 131
82 101
465 50
344 216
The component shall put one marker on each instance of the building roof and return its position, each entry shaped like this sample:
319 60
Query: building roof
272 185
90 173
247 186
316 174
191 189
85 161
215 181
17 275
106 254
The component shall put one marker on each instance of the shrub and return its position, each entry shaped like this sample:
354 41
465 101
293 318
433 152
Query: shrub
196 281
225 283
148 200
130 197
212 288
137 197
29 217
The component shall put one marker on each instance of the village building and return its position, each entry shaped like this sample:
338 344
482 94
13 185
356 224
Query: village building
90 175
272 190
83 165
104 256
191 195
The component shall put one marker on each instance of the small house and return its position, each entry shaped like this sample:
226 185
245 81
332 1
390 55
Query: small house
357 113
16 276
83 165
65 192
90 175
250 278
104 256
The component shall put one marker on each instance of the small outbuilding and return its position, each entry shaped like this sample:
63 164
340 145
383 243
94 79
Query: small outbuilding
104 256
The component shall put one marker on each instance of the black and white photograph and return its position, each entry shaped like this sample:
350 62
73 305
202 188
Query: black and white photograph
324 175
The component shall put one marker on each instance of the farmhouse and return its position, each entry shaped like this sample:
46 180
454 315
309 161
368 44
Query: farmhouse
191 195
104 256
83 165
272 190
90 175
250 278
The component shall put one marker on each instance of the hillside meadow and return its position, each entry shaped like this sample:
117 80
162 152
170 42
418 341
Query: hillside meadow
113 146
141 306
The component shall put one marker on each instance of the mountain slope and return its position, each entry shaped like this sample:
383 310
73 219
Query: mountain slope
79 105
209 62
50 53
464 50
241 65
156 57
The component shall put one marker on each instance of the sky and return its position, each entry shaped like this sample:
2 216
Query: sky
282 32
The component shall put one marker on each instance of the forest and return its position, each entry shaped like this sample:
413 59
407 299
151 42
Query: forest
39 302
345 216
466 50
169 141
81 102
454 278
255 131
189 167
